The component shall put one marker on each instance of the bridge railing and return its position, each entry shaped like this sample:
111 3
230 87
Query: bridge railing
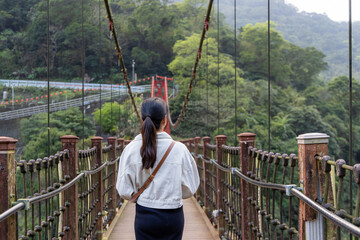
250 193
69 195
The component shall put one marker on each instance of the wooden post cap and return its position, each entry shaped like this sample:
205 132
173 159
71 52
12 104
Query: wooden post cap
246 136
221 138
96 139
69 138
7 143
206 139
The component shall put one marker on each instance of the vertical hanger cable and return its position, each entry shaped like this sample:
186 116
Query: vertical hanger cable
235 87
100 70
83 73
269 74
48 75
218 70
350 108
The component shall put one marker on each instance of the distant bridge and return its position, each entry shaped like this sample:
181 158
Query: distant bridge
29 111
67 85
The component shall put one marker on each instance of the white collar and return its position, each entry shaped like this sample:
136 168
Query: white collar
159 135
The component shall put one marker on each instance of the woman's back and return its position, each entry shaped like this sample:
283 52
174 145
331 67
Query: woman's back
159 212
174 181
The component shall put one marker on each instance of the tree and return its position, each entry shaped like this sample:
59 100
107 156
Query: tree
119 119
196 113
290 65
254 54
185 54
68 122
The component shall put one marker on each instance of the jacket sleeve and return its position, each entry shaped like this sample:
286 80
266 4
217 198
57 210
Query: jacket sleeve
125 183
190 176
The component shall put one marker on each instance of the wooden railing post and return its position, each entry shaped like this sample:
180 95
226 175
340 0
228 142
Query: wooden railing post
246 140
126 142
71 169
197 140
206 140
120 142
97 142
191 143
112 179
220 140
310 145
7 186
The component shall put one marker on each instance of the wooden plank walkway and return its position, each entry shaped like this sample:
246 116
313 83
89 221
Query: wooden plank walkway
197 225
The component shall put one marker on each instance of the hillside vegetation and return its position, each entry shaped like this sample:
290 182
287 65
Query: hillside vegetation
307 93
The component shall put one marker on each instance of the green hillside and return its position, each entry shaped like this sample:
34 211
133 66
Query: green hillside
303 29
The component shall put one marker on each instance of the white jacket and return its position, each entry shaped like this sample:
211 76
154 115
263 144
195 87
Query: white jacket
176 179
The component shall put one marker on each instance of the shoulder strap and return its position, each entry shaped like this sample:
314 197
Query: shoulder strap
148 181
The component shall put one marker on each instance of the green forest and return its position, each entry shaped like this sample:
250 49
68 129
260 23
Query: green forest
309 74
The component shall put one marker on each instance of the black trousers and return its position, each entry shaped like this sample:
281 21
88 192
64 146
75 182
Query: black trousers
159 224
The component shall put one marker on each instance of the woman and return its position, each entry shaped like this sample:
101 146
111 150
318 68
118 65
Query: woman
159 211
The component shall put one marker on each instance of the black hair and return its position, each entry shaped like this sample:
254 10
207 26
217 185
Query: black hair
153 111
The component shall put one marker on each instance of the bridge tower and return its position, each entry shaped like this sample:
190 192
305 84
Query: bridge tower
159 88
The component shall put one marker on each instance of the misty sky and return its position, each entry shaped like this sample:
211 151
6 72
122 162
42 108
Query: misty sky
337 10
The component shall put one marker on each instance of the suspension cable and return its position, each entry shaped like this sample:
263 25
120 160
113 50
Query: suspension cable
48 74
207 85
269 74
83 72
198 57
100 70
120 57
235 89
218 65
350 104
111 88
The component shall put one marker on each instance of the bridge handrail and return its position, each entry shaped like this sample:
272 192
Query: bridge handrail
348 226
26 203
288 189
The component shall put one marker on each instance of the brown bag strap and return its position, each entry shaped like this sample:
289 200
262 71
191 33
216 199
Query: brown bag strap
148 181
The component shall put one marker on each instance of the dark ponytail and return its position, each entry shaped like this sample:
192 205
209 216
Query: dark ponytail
153 111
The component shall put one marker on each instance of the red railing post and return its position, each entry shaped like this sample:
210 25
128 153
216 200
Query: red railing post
310 145
246 140
71 169
220 140
97 142
7 186
206 140
112 194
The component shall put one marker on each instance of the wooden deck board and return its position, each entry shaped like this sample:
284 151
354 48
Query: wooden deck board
197 226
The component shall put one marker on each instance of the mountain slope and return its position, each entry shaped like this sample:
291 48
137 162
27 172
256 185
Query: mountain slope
303 29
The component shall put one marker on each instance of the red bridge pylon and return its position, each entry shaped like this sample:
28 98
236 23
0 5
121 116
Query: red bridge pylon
159 88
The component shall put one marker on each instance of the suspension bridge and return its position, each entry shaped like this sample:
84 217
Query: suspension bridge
245 192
